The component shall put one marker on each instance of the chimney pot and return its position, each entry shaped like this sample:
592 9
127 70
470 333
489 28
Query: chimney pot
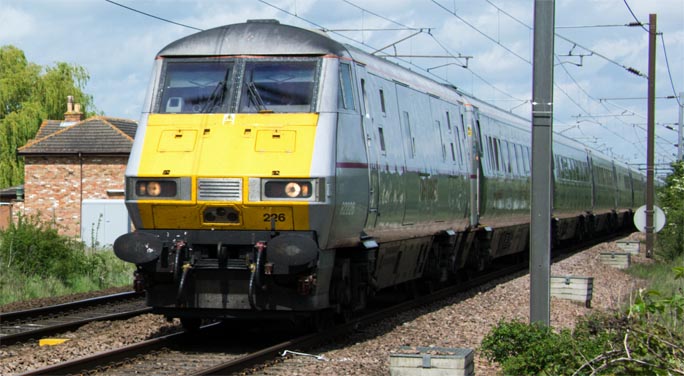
73 113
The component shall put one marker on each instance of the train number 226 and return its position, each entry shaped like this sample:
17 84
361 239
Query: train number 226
275 217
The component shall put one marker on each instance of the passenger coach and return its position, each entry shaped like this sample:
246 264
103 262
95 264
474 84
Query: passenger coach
278 172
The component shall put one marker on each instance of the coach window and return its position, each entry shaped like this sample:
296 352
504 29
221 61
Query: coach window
382 102
441 139
278 86
410 142
494 163
495 143
506 159
487 149
459 150
345 98
195 86
514 159
381 136
519 159
366 106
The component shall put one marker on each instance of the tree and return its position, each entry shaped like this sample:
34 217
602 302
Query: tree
29 94
671 199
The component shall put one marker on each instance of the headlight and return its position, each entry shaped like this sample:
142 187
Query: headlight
285 189
156 188
290 189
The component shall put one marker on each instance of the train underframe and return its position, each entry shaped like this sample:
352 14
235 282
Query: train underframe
261 274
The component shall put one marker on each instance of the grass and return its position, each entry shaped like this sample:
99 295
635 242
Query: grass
107 271
660 275
37 262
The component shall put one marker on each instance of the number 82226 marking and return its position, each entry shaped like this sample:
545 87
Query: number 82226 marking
276 217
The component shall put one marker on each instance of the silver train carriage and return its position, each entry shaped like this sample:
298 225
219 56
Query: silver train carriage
276 171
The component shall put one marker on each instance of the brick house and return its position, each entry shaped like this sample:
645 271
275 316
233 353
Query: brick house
75 166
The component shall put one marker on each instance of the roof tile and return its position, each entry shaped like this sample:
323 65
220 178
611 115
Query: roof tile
95 135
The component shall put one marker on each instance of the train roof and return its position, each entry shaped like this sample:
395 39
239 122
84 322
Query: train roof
256 37
390 70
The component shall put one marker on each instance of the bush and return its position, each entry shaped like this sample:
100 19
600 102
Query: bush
646 339
671 238
35 248
535 349
35 261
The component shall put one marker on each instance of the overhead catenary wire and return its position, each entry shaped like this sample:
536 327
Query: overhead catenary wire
442 46
446 50
596 26
153 16
482 33
669 71
631 70
482 78
402 27
375 48
635 17
567 72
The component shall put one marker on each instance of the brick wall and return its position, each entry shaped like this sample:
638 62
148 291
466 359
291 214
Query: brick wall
55 186
5 214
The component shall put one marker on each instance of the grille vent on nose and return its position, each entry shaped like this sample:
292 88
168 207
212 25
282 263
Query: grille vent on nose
219 189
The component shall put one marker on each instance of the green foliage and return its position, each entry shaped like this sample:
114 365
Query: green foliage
32 247
35 261
662 277
535 349
671 199
646 340
29 94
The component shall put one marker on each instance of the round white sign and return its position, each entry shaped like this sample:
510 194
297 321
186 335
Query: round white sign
658 218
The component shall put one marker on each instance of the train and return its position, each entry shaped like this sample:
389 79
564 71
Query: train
278 173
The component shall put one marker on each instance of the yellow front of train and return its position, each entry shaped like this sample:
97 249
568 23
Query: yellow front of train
229 180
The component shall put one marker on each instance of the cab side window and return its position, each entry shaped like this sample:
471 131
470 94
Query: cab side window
345 97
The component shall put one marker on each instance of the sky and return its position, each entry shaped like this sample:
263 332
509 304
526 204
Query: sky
597 100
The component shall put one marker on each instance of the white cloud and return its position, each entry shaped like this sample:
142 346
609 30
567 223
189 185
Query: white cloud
14 24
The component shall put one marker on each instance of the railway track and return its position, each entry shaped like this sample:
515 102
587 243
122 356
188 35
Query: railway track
182 353
40 322
213 350
219 350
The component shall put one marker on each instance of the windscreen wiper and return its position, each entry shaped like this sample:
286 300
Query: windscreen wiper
216 96
256 97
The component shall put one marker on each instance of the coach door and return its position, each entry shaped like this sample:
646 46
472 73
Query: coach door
371 145
590 162
476 178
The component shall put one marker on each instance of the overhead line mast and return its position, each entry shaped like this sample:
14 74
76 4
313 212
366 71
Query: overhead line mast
542 139
650 148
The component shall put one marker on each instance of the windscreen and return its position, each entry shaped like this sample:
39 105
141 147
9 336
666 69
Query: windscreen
277 86
242 85
196 87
